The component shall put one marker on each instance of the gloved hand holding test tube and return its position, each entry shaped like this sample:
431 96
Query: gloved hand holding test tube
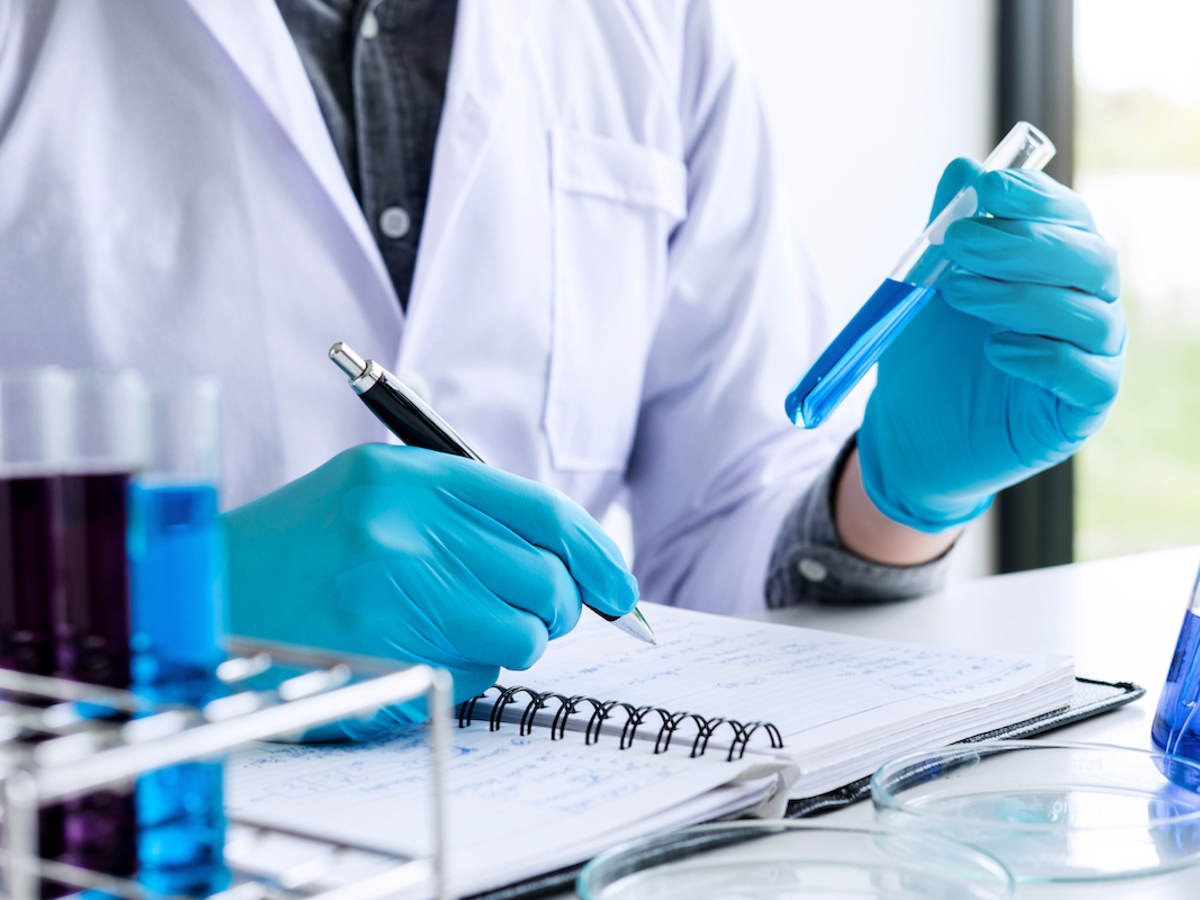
904 292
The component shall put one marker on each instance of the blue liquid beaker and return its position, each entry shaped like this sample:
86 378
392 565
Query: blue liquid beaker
176 558
1176 727
175 555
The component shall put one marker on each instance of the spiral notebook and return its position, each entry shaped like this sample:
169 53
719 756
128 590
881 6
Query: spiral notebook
605 739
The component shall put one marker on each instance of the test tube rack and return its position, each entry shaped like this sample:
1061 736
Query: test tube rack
76 754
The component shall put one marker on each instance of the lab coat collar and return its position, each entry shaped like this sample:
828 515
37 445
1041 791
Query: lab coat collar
488 36
255 38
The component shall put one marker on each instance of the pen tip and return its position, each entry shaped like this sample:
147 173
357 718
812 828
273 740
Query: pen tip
640 628
635 625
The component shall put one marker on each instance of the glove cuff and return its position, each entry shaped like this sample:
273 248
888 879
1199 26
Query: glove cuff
933 515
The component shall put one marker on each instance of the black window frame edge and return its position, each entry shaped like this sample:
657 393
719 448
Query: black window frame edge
1035 80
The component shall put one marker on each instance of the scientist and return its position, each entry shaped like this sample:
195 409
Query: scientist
562 219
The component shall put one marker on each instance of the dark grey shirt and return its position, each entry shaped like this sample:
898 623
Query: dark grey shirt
809 561
378 68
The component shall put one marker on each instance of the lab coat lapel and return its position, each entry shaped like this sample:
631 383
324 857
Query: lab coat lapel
487 38
255 38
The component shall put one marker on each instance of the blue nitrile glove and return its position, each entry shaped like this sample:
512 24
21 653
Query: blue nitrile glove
1009 367
421 557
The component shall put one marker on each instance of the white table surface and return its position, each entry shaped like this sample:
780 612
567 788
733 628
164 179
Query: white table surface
1118 618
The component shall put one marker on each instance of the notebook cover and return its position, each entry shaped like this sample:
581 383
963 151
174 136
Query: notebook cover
1091 698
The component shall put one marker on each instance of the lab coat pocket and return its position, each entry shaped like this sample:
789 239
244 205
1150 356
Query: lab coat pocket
614 205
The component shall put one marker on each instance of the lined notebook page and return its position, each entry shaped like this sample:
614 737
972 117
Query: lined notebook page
819 688
509 797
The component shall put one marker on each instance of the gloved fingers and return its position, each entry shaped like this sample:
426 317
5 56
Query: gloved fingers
430 607
520 574
1078 423
498 634
1028 194
548 519
1081 379
469 680
1038 252
1088 322
603 585
538 515
956 176
536 581
488 631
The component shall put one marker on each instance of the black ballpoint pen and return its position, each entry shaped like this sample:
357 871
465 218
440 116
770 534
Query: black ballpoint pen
412 420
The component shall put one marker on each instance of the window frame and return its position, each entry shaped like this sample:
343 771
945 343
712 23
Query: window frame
1035 80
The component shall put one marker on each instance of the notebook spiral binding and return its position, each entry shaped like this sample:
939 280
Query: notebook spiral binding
603 710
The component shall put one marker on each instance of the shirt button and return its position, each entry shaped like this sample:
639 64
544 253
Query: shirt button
369 27
812 570
394 222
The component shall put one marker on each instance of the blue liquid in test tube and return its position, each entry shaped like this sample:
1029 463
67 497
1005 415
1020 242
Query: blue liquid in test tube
175 552
856 348
903 293
176 561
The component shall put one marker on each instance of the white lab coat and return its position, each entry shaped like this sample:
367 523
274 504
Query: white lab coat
603 299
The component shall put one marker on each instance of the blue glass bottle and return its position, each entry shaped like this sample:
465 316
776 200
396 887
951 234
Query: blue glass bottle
1176 727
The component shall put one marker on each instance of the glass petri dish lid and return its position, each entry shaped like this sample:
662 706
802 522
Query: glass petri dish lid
784 859
1051 812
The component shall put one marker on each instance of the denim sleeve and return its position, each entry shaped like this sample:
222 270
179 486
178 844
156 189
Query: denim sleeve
810 563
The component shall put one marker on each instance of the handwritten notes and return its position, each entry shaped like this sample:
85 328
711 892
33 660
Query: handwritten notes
818 688
523 805
509 796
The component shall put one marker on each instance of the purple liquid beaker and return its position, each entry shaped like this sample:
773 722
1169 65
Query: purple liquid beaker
93 646
92 618
30 571
33 445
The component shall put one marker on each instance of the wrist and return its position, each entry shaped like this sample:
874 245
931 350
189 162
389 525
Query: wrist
907 483
866 530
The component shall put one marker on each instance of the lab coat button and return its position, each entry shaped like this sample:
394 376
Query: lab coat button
394 222
812 570
369 27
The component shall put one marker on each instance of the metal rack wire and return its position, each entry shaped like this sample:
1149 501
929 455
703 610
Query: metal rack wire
78 753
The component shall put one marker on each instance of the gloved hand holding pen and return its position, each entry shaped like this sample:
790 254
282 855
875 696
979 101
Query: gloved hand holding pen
1009 367
421 557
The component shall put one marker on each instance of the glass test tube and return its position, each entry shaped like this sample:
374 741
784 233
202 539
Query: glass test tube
904 292
92 626
34 443
176 561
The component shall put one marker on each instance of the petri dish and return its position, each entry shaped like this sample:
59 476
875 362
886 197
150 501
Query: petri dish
1051 812
784 859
